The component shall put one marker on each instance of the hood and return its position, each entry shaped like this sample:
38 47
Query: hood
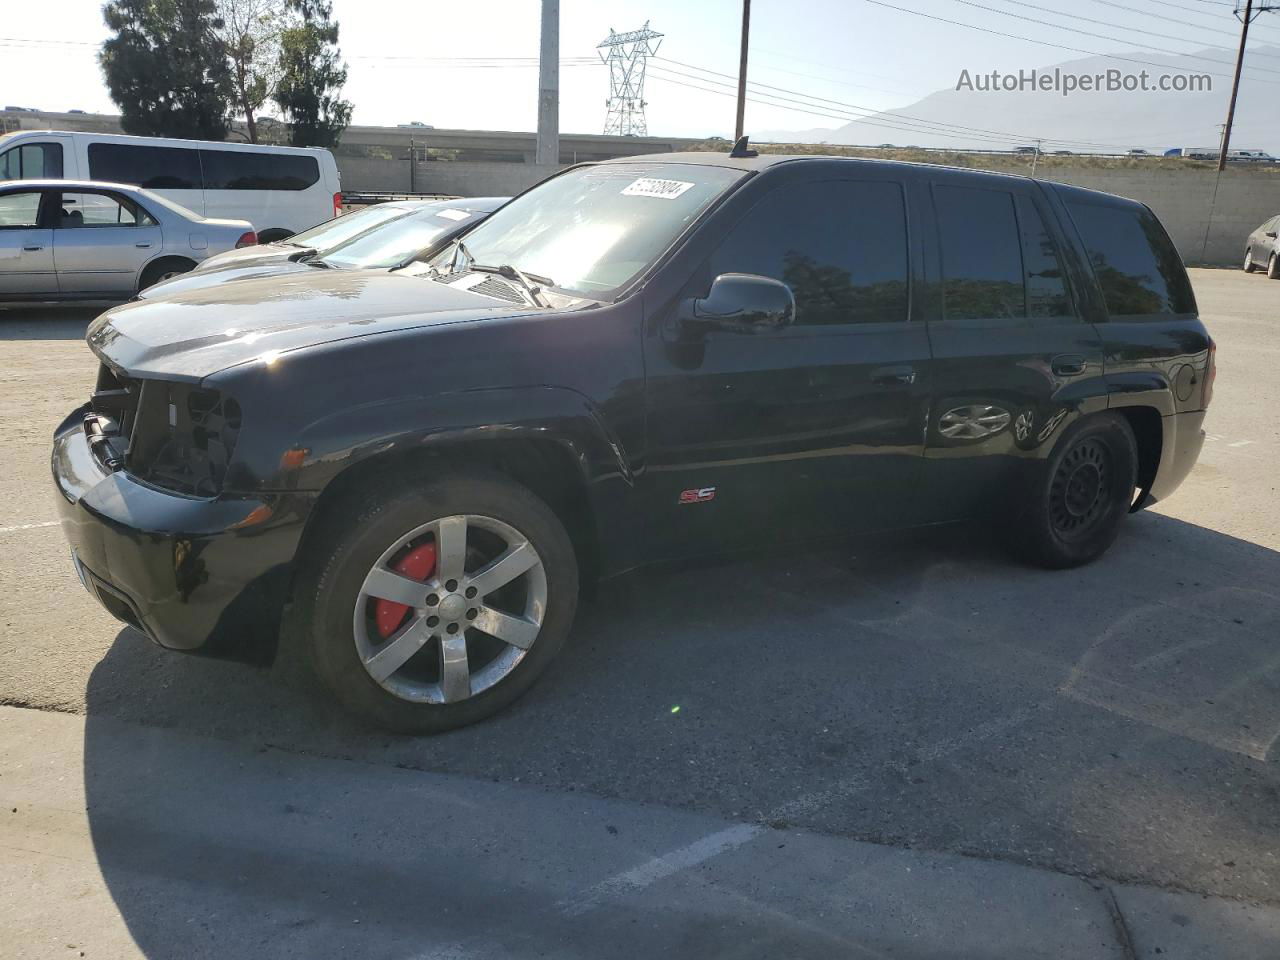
243 256
192 335
231 272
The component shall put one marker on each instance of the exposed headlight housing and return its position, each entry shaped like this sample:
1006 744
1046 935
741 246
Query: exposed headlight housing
177 436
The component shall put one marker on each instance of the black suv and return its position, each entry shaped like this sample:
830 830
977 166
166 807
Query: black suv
406 475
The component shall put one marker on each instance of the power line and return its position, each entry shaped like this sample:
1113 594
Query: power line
1168 19
1178 6
1043 43
1149 33
874 112
1101 36
834 109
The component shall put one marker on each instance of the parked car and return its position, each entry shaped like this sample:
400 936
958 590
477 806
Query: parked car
414 230
634 361
73 239
281 189
1263 250
431 219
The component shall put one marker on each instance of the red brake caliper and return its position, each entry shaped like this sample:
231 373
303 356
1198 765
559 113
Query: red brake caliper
418 564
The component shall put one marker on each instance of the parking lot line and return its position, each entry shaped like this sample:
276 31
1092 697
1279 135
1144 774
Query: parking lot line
637 878
29 526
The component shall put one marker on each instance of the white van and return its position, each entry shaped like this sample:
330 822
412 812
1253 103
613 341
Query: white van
280 190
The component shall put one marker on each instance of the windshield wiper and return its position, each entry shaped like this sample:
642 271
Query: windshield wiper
526 280
458 247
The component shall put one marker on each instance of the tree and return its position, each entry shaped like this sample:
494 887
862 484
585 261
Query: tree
251 31
166 68
311 75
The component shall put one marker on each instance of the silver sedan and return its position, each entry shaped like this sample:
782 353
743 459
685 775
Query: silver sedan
83 240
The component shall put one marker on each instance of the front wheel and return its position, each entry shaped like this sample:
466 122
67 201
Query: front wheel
441 601
1248 260
1273 268
1080 495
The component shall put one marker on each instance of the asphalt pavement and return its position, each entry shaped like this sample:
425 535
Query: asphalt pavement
1111 729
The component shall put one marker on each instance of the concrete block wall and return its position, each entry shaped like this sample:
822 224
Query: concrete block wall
480 179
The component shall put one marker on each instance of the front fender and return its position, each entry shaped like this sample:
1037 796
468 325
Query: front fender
323 448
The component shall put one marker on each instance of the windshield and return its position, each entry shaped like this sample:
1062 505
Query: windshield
594 229
331 233
395 242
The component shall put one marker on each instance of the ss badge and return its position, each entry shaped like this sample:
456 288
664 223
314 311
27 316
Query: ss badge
701 495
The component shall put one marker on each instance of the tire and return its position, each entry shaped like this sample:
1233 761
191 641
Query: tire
339 619
1273 267
1249 266
163 270
1080 496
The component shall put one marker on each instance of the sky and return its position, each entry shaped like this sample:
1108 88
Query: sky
438 63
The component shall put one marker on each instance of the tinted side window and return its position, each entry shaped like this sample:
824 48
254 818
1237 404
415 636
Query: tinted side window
240 170
1136 264
841 246
32 161
1046 285
981 253
158 168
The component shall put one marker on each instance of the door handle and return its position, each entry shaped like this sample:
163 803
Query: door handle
1068 365
33 249
142 246
901 376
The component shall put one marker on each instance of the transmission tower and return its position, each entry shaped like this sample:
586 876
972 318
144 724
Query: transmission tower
625 55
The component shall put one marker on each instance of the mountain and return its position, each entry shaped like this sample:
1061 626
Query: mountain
1100 121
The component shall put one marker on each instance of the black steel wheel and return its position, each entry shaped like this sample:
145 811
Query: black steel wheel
1079 497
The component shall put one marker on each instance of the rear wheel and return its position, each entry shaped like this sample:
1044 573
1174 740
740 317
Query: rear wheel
1248 260
164 269
1273 267
440 602
1081 495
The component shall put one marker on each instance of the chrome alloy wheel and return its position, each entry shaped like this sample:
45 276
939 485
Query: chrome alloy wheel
463 627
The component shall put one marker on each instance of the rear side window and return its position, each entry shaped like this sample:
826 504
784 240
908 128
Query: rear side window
841 246
242 170
157 168
99 210
999 260
981 253
32 161
1137 267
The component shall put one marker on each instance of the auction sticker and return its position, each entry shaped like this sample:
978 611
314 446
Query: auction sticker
662 189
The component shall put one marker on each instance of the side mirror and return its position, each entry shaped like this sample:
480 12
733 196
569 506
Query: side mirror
742 303
1271 234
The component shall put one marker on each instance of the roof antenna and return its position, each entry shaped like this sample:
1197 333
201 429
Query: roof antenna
741 149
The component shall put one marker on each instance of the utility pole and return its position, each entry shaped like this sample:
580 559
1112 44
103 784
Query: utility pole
742 72
1250 12
548 148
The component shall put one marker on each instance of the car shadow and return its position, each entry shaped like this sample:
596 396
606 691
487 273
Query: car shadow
48 321
1118 720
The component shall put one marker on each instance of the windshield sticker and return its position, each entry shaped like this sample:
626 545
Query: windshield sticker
451 214
662 189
